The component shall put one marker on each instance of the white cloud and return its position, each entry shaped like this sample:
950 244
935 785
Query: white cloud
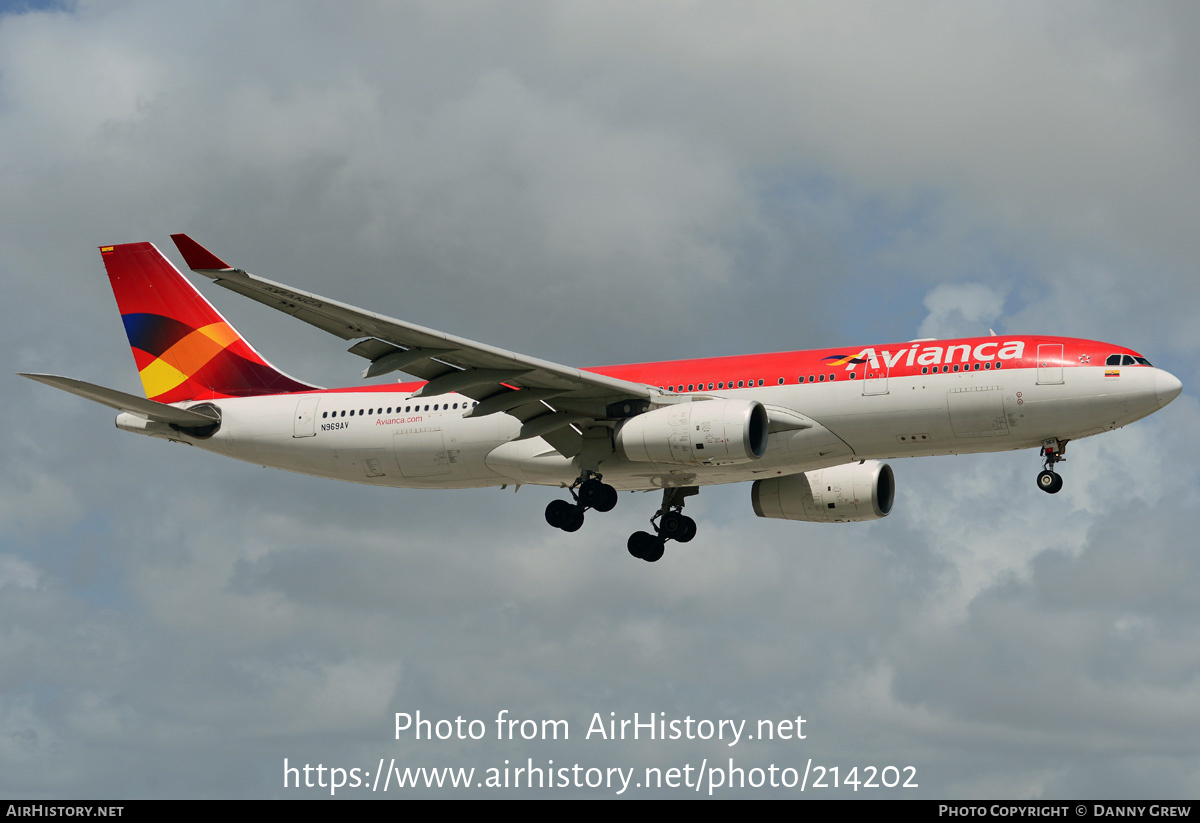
961 310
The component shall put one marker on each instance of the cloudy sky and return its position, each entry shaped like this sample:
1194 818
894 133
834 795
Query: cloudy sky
598 183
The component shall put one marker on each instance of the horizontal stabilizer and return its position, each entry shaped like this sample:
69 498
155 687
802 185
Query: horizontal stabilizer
149 409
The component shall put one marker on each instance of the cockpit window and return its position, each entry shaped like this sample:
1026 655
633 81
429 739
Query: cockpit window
1127 360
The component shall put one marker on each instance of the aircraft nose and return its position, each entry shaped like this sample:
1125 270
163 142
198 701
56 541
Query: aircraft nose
1166 386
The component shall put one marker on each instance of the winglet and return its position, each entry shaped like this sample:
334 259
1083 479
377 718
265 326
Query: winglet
196 256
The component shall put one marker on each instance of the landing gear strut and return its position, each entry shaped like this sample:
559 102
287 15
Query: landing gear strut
1053 451
593 494
672 524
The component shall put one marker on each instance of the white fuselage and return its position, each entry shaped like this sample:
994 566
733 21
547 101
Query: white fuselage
365 436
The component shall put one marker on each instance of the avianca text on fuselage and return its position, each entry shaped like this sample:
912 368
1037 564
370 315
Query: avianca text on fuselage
809 428
930 355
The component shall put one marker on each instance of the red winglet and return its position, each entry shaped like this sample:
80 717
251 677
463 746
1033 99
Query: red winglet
196 256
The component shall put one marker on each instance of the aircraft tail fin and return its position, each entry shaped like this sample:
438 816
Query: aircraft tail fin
183 347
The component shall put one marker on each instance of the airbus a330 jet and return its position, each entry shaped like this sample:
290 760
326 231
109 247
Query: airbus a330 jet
809 428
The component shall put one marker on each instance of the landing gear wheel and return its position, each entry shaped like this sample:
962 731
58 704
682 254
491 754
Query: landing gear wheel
602 498
591 491
562 515
597 495
1050 482
645 546
557 513
672 525
575 522
689 531
677 526
655 552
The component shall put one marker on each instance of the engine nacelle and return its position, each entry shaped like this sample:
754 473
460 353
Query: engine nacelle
703 432
841 494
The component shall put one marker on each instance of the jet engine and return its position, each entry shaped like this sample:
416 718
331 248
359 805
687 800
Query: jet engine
841 494
699 433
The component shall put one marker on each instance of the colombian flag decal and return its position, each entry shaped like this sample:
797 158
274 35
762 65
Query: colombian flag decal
1113 373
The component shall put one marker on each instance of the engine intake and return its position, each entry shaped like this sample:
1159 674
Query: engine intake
700 433
841 494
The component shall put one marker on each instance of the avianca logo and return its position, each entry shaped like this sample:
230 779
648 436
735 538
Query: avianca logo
931 355
843 359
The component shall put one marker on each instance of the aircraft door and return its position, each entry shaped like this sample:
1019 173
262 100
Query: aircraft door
875 379
1050 369
306 417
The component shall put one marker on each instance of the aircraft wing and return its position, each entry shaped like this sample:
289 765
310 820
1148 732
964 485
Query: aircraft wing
488 374
119 400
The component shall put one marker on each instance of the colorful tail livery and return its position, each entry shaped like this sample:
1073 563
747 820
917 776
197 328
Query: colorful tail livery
183 347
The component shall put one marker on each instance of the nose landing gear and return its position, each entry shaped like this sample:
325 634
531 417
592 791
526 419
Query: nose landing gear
1053 451
592 494
672 524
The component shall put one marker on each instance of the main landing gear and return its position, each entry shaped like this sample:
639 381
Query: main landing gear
672 524
592 494
589 492
1053 451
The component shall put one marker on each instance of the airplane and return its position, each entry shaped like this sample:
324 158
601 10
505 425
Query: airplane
809 428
